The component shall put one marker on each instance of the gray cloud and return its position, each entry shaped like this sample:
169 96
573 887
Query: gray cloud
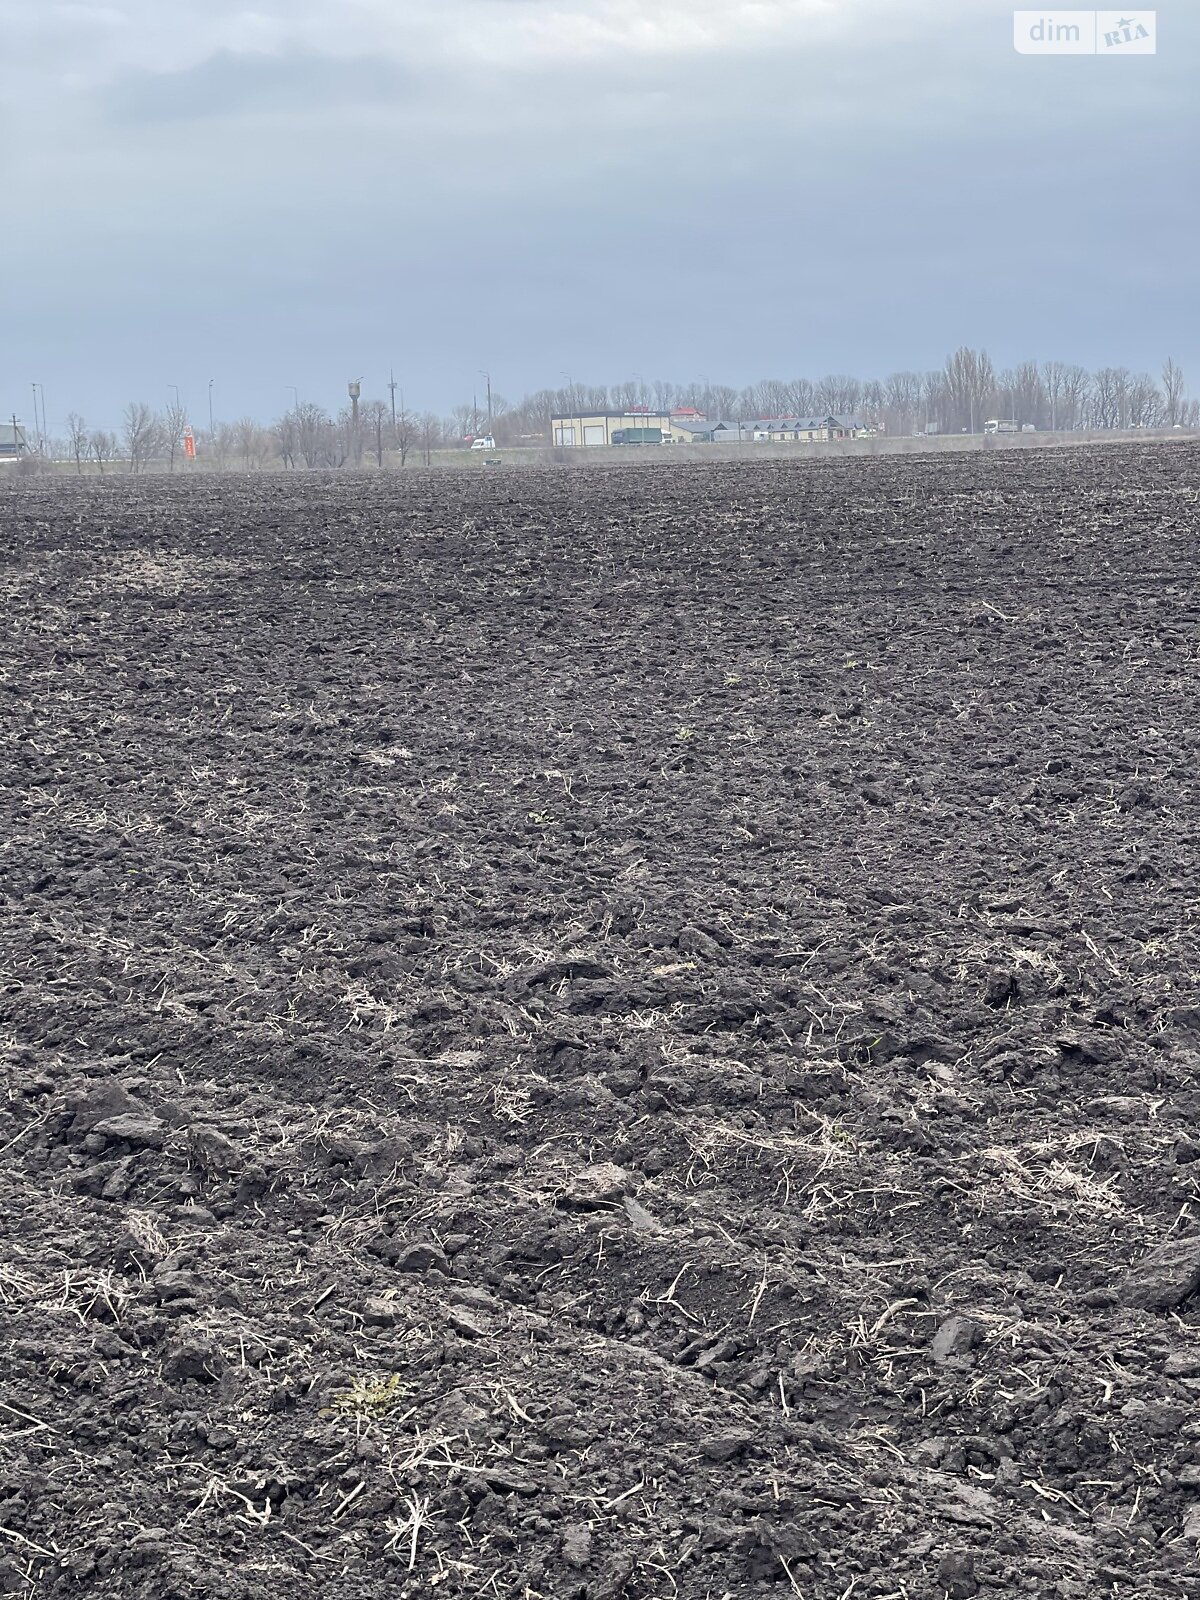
227 85
721 187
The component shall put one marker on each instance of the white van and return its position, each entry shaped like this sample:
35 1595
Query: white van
486 443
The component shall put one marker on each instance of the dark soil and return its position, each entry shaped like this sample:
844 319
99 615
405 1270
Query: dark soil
606 1033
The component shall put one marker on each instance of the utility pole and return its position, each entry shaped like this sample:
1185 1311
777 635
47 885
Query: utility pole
295 394
488 377
175 386
211 429
392 387
37 432
474 415
16 434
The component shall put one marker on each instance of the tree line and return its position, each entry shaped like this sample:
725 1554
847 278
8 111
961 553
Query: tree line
306 436
958 397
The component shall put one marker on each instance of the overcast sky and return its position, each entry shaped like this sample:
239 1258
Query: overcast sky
302 191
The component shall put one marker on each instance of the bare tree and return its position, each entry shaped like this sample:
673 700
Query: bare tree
838 395
312 432
1054 375
561 401
251 442
713 400
287 438
405 434
872 407
1110 397
1028 395
243 439
802 398
506 421
225 443
1145 402
970 386
172 426
343 446
935 402
429 432
1076 392
377 422
902 395
771 397
463 422
103 447
139 427
533 415
720 400
78 435
1173 389
1006 384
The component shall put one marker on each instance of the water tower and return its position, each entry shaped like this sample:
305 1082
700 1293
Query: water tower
355 388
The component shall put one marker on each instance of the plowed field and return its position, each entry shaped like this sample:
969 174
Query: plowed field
603 1033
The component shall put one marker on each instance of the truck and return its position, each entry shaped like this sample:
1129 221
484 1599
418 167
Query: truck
637 436
995 425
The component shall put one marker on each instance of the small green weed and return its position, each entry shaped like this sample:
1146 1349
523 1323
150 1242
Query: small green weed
366 1398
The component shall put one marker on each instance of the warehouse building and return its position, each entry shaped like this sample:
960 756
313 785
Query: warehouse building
717 432
807 430
594 429
12 441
